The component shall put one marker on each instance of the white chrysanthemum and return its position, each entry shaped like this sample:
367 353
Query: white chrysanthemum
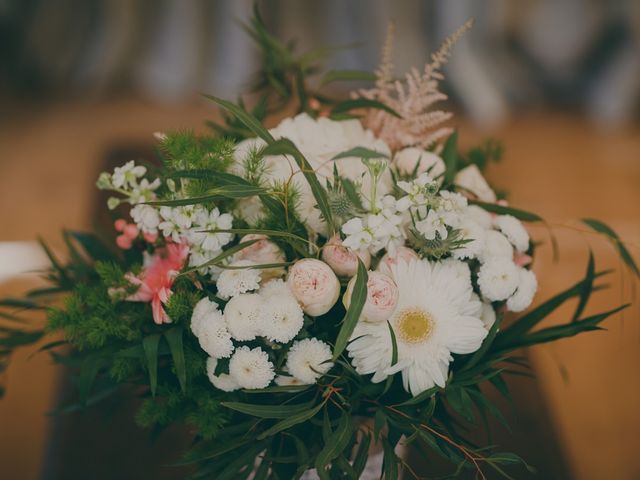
319 140
474 234
514 231
479 215
282 318
496 245
309 359
209 326
251 368
527 287
243 315
224 381
235 281
275 287
498 278
436 315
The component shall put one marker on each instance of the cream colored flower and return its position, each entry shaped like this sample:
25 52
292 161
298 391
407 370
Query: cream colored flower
314 285
262 252
342 260
407 159
382 297
471 180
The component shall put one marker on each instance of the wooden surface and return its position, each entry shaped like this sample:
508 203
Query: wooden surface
556 165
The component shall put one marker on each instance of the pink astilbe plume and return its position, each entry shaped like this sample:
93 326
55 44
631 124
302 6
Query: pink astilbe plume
412 98
157 277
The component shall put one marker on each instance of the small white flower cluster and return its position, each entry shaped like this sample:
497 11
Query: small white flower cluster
128 180
381 228
270 312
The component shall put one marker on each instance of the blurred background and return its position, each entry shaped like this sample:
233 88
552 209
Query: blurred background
85 83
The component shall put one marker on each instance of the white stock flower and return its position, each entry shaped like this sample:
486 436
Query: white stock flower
243 315
223 381
527 287
419 192
382 297
209 326
470 178
309 359
498 278
204 221
513 229
175 222
436 315
358 235
319 140
251 368
407 159
144 191
146 218
235 281
314 285
127 175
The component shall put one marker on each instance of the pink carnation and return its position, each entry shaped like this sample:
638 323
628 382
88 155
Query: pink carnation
157 277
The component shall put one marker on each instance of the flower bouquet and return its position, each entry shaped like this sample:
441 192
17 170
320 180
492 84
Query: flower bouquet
310 297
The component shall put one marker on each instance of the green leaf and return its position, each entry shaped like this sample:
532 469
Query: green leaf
291 421
421 397
587 288
460 401
450 157
334 445
227 191
225 254
501 210
390 461
174 339
607 231
284 146
347 76
531 319
88 373
251 122
379 421
362 454
348 105
394 357
358 299
360 152
150 345
280 389
92 245
267 411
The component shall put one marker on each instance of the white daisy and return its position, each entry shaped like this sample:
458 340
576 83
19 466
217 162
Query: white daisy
436 315
309 359
498 278
251 368
527 286
243 315
209 326
223 381
513 229
235 281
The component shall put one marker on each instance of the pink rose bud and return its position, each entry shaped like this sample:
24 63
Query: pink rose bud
382 297
314 285
130 231
150 237
262 252
124 242
388 260
342 260
314 104
521 259
120 224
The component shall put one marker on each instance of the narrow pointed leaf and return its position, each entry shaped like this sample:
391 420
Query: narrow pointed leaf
290 422
360 152
358 299
450 157
251 122
348 105
347 75
150 345
604 229
515 212
174 339
268 411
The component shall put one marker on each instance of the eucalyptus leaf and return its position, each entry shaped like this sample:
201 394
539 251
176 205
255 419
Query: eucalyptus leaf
291 421
268 411
607 231
358 299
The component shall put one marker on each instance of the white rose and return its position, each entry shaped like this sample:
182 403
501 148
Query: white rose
382 297
390 259
472 181
319 140
262 252
314 285
342 260
407 159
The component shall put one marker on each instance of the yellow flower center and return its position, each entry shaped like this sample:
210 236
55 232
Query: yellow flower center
413 325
